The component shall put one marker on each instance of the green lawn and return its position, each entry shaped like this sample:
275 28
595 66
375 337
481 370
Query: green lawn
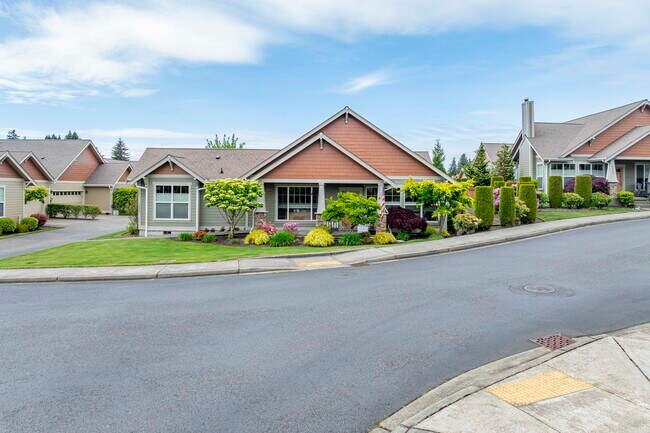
551 215
116 235
41 230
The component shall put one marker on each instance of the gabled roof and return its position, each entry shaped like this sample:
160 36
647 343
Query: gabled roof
622 144
6 157
551 139
347 111
206 164
108 174
24 156
491 150
55 155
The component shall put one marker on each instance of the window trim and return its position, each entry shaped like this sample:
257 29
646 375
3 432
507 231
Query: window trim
4 200
311 202
539 175
189 201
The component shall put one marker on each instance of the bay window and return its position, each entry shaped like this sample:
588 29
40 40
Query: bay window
172 202
297 203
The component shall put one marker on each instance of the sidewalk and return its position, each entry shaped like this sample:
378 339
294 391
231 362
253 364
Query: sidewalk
310 261
597 384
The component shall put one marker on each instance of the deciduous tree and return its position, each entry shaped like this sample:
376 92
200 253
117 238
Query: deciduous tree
233 198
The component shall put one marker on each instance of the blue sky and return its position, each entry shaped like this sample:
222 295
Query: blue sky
161 73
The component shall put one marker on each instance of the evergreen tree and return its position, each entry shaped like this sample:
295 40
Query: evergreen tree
463 162
231 142
52 137
71 135
11 135
439 156
478 169
504 165
120 151
453 167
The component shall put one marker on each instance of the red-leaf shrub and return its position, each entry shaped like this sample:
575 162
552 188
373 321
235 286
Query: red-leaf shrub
598 184
404 220
42 219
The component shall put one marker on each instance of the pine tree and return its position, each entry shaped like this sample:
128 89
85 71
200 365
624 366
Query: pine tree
120 151
71 135
478 169
504 166
438 156
227 142
453 167
463 162
12 135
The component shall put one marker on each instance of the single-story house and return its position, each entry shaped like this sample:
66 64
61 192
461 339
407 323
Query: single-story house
614 144
73 171
344 153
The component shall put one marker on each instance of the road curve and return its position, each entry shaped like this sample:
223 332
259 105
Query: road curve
322 351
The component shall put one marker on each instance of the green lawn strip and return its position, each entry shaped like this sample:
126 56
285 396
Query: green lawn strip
551 215
41 230
116 235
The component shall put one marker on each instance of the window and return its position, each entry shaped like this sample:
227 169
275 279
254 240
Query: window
567 171
539 171
642 174
172 202
66 193
297 203
372 191
597 170
2 201
392 195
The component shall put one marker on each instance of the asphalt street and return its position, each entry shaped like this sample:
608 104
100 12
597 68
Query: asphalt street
333 350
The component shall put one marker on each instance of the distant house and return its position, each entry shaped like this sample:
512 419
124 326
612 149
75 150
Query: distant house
614 144
491 152
73 170
344 153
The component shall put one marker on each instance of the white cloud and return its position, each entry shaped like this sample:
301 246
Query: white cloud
137 92
366 81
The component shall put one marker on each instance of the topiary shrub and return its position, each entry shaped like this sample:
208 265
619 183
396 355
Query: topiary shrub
571 200
31 223
209 237
583 189
525 179
185 237
601 200
507 206
496 179
282 239
405 220
464 222
7 225
403 236
626 198
319 237
351 239
518 190
257 237
528 195
498 184
90 211
555 191
22 228
42 218
384 238
598 184
484 206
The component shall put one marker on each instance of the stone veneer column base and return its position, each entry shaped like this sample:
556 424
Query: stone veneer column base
613 188
260 218
380 225
319 220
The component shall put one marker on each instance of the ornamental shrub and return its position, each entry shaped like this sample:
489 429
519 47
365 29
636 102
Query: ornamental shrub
293 228
209 237
282 239
496 179
571 200
430 231
528 194
185 237
583 189
268 228
198 235
319 237
484 206
555 191
351 239
525 179
598 184
7 225
22 228
465 223
542 198
522 184
384 238
403 236
121 198
257 237
73 210
31 223
352 209
498 184
36 193
601 200
521 211
626 198
507 206
401 219
90 211
42 218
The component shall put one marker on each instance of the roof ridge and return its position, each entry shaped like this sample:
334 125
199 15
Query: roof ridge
609 109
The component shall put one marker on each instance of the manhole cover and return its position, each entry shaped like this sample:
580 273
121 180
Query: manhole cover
554 342
539 288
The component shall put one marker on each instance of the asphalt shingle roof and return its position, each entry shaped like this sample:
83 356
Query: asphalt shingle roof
109 173
55 155
491 150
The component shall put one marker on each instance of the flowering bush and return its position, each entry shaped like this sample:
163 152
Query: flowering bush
222 229
268 228
292 228
198 235
465 223
497 198
257 237
521 211
598 184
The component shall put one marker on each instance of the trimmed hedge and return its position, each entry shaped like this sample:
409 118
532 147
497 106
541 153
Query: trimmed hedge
507 206
72 210
496 179
7 225
122 197
484 206
555 190
522 184
626 198
525 179
528 194
498 184
583 189
31 223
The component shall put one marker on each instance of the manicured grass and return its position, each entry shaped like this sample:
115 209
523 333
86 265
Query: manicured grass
116 235
553 215
41 230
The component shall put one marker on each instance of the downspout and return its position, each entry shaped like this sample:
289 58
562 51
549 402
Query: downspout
146 208
197 206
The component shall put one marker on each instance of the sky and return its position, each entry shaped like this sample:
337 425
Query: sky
167 73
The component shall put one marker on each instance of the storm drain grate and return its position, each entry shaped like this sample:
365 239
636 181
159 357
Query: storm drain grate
554 342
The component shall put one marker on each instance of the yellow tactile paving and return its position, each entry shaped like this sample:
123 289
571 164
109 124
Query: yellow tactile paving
537 388
323 263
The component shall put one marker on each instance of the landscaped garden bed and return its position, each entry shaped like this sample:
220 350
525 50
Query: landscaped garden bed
10 227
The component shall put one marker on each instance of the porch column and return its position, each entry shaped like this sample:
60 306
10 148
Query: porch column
260 214
612 180
321 203
402 199
381 224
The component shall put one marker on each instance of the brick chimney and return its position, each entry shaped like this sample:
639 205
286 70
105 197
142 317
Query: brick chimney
528 118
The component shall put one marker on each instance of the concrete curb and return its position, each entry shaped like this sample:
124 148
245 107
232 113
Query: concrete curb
448 393
288 262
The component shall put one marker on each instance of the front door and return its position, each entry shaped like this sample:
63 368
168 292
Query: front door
619 177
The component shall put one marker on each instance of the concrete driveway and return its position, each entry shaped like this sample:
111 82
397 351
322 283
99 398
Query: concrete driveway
72 231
